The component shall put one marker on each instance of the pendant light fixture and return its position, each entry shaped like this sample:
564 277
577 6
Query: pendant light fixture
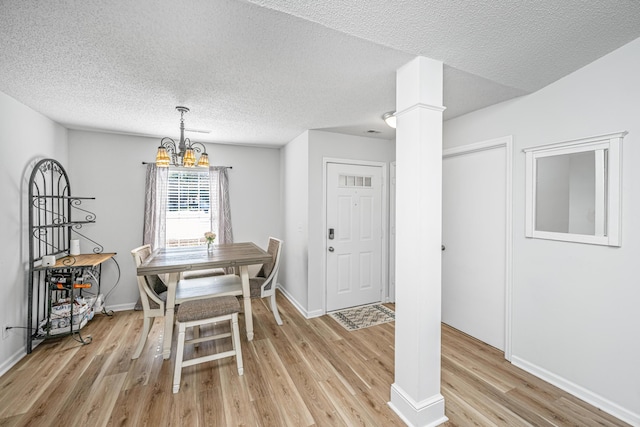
182 153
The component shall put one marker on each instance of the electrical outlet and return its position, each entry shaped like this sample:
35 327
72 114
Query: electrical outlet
5 332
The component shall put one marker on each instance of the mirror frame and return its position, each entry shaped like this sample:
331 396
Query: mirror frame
613 204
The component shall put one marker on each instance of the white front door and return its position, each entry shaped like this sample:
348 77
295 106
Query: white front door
474 227
353 235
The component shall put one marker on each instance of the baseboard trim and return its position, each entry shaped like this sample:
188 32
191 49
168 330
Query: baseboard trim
578 391
298 306
315 313
11 361
121 307
426 413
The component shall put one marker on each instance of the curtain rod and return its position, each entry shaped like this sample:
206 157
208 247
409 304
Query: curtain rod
153 163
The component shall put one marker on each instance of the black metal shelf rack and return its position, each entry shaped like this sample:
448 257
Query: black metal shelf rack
51 226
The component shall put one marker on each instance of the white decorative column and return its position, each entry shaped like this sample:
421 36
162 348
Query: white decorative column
415 394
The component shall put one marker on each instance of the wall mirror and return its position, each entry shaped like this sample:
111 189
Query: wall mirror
573 190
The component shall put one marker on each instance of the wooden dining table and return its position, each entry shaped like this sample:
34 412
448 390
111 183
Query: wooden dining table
174 261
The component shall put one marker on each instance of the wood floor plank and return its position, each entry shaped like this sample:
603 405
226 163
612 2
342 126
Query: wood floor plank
285 394
482 405
308 372
316 401
348 407
11 421
266 413
309 346
544 407
585 414
258 387
17 395
475 356
64 388
127 410
97 409
144 370
211 408
235 396
476 385
185 411
466 414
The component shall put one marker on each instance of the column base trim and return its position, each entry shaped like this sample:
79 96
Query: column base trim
426 413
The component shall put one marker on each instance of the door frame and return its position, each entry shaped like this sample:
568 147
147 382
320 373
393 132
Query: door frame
384 220
391 291
505 142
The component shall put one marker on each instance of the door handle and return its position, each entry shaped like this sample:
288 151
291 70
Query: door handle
443 248
331 249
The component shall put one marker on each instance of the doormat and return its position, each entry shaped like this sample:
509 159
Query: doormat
362 317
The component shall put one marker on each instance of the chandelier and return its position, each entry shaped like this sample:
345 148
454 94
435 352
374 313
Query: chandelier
182 153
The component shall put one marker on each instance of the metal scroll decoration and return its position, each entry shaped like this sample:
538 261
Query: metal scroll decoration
48 189
54 213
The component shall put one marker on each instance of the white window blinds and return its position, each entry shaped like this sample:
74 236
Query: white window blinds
188 206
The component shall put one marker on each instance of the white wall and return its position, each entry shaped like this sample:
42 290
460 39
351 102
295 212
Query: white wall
109 168
339 146
26 137
576 319
293 275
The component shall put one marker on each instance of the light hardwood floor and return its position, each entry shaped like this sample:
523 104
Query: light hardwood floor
304 373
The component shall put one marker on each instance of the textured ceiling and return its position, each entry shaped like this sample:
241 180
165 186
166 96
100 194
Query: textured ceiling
262 72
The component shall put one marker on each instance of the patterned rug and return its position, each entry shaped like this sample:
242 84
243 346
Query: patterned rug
364 316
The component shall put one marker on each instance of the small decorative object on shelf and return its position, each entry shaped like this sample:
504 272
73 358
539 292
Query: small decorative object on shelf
210 237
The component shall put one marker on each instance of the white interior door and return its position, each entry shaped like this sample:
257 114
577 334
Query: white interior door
354 235
474 220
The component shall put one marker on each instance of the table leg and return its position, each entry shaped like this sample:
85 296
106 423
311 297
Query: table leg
246 294
168 315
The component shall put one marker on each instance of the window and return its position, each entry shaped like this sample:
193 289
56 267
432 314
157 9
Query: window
354 181
188 207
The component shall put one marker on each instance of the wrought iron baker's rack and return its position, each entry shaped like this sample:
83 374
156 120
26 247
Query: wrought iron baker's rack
51 226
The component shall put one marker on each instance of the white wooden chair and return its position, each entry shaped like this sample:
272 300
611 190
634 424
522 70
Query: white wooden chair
153 304
264 284
196 313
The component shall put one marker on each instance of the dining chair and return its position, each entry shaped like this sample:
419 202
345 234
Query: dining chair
153 304
264 284
200 312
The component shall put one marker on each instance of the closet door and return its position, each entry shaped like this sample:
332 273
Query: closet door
474 235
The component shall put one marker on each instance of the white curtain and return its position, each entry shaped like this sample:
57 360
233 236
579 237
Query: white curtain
220 205
155 206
